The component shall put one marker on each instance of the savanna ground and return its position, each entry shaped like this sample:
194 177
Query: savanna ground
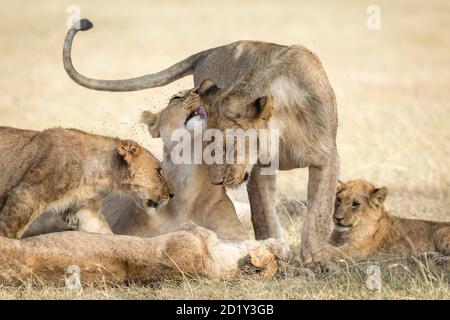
392 87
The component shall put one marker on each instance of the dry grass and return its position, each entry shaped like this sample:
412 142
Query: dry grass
392 89
400 280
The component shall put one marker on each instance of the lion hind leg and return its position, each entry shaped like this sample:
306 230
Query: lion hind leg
21 207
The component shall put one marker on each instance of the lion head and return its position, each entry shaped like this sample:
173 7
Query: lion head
184 111
144 176
199 108
359 208
234 112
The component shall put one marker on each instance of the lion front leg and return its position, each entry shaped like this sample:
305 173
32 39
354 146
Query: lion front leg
316 230
261 193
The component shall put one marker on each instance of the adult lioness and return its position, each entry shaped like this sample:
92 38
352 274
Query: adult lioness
248 76
363 226
70 171
196 198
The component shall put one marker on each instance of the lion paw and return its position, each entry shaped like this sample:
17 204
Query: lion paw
279 248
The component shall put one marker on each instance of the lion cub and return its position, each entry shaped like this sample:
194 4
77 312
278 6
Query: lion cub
70 171
363 226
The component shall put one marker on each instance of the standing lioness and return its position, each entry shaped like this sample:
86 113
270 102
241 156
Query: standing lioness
70 171
242 84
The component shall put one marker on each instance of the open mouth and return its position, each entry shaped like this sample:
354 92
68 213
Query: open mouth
152 204
200 111
156 205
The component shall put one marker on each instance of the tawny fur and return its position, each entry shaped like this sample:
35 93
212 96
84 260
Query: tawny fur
195 199
291 92
192 252
363 226
69 171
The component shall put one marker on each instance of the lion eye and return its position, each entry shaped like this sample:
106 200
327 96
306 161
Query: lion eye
175 98
355 204
338 200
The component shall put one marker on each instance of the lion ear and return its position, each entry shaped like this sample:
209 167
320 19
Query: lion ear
207 90
152 120
377 196
340 186
129 150
261 108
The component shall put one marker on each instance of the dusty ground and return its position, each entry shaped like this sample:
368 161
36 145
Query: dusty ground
392 88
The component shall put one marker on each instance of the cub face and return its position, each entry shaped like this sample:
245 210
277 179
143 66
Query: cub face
144 176
359 205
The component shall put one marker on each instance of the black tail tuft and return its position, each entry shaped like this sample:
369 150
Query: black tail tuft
83 25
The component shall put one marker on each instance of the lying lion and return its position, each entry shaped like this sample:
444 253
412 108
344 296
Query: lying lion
363 227
97 258
70 171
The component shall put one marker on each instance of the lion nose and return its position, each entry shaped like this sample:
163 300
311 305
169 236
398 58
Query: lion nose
338 218
171 194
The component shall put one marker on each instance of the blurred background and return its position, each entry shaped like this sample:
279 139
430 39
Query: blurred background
392 84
